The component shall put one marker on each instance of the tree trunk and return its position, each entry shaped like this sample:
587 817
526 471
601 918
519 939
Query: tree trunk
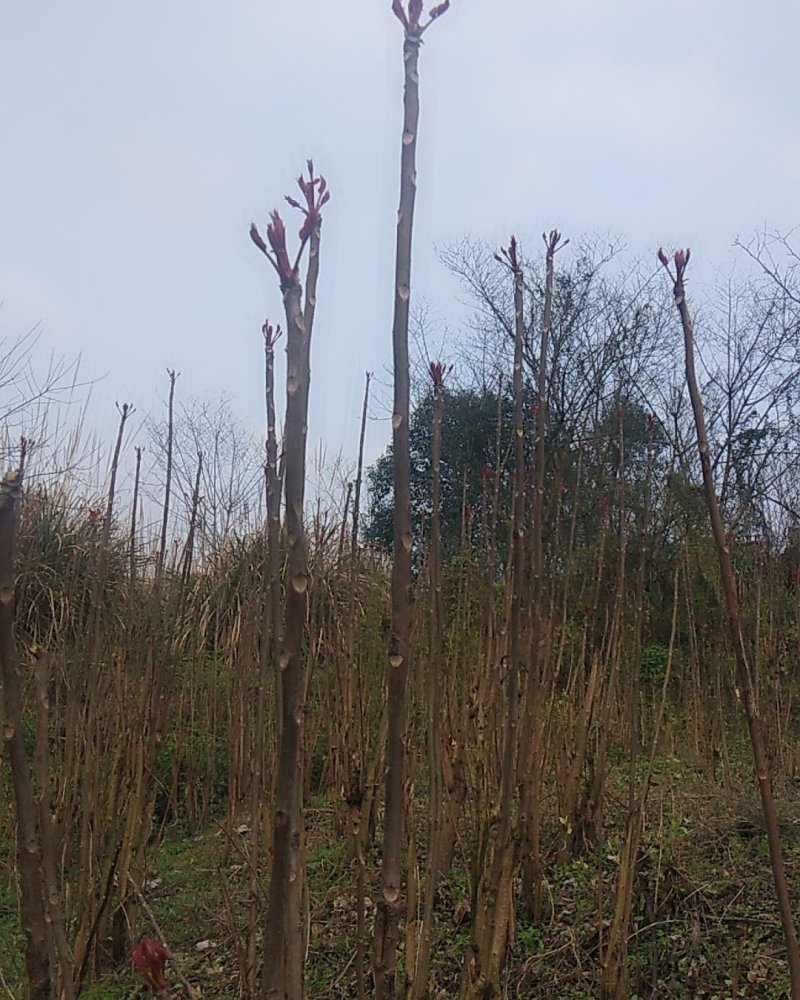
285 931
390 900
743 667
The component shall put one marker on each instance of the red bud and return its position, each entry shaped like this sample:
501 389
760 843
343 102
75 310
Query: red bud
149 957
255 236
399 13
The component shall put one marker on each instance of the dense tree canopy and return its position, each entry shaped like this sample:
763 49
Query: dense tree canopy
469 458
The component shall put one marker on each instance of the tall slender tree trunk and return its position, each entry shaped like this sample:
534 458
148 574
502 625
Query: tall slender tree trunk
531 744
162 548
285 932
354 720
743 667
436 811
270 639
615 979
93 647
188 551
61 960
494 897
134 512
151 710
390 900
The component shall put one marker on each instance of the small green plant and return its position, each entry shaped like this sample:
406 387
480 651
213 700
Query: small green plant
529 941
654 663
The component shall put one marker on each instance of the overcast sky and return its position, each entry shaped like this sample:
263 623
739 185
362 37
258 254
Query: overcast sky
140 140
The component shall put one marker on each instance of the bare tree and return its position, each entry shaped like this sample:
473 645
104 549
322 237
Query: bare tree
284 937
744 670
231 482
778 258
390 902
30 382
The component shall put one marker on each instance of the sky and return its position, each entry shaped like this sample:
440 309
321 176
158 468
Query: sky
140 140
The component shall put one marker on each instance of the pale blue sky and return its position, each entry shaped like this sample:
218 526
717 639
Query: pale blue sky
140 140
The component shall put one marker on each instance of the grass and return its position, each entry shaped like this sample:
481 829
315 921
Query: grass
12 942
705 923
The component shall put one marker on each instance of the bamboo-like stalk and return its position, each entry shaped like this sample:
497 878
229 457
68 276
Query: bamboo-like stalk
285 933
188 550
272 607
270 641
436 814
615 980
134 512
343 526
591 821
531 743
390 900
150 707
743 667
493 918
62 958
92 778
352 778
162 548
354 718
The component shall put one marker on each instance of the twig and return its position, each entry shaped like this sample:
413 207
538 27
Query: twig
343 973
5 985
190 990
